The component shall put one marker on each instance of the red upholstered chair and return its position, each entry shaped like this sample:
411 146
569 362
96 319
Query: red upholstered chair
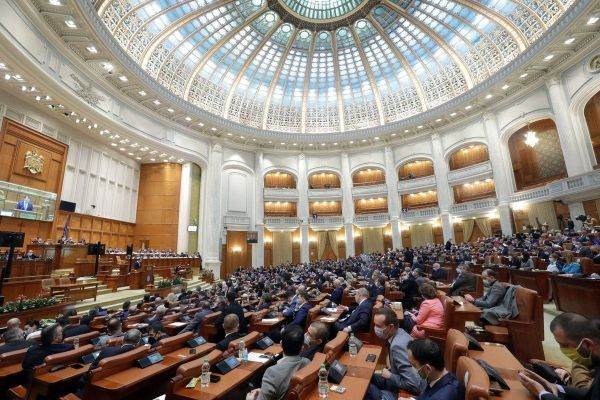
474 379
170 344
189 370
305 379
83 338
456 346
439 334
335 346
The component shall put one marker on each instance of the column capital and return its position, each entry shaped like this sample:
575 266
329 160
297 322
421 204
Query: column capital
301 156
554 80
217 147
489 116
434 136
388 149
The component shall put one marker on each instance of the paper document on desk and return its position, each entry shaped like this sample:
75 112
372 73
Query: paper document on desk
177 324
269 320
330 310
257 357
328 319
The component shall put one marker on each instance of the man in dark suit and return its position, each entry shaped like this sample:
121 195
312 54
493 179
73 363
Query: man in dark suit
231 325
579 340
338 293
314 340
464 282
196 322
438 273
51 339
409 287
300 314
494 291
25 204
359 319
233 307
13 340
131 340
75 330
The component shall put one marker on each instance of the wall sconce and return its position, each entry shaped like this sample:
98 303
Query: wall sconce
236 249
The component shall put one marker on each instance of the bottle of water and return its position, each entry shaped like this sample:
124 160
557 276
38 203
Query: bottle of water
242 351
205 376
323 385
352 348
76 342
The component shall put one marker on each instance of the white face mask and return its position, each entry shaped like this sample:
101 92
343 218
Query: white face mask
307 339
380 332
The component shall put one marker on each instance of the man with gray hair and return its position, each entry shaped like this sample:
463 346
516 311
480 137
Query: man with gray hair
13 340
131 340
359 319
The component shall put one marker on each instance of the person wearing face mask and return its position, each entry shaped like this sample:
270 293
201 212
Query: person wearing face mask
464 282
359 319
494 291
430 315
554 264
314 339
580 342
438 273
427 358
399 373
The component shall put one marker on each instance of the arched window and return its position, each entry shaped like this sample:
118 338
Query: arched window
415 169
279 179
368 176
536 155
324 180
468 155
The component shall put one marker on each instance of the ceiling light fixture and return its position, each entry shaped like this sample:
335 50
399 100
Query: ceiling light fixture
569 41
549 57
123 78
530 137
92 49
70 24
593 20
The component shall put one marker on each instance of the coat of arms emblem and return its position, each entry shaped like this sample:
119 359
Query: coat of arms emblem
34 162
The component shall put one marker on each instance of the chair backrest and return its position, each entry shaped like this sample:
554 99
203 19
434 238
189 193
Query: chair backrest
474 379
167 319
449 308
305 379
530 306
456 346
112 365
84 338
116 341
64 358
335 346
12 357
74 319
189 370
170 344
249 340
258 316
312 315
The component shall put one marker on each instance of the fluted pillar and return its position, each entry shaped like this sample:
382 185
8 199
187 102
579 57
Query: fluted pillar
347 204
577 160
391 181
212 212
302 186
444 195
258 249
185 191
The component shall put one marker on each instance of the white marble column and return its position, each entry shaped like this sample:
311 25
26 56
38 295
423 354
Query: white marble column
185 191
575 210
212 212
391 181
303 209
500 168
444 194
577 159
506 219
258 249
347 204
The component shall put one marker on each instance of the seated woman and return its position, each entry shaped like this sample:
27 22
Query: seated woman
570 267
430 315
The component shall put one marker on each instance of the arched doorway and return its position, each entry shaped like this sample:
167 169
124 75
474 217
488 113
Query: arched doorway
592 119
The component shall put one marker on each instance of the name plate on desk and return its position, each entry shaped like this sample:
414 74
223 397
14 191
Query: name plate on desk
195 342
264 343
227 365
149 360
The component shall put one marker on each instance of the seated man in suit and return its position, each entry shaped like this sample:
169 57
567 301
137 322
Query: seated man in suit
438 273
77 329
156 332
428 359
299 315
233 307
580 342
231 326
276 379
494 291
359 319
158 316
314 339
399 374
338 292
51 342
13 340
464 282
113 330
131 340
196 322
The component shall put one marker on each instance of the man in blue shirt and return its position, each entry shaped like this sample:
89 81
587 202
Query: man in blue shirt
428 359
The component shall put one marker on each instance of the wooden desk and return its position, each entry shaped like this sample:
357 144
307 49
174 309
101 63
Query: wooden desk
131 380
534 280
517 390
361 358
499 357
319 298
576 295
175 327
462 314
58 381
264 327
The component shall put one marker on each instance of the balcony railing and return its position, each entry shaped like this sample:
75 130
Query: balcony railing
420 214
328 221
475 206
563 187
468 174
325 194
236 220
280 194
369 191
372 220
416 185
282 222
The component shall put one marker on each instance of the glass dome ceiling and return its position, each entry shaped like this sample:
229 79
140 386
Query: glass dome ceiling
319 66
